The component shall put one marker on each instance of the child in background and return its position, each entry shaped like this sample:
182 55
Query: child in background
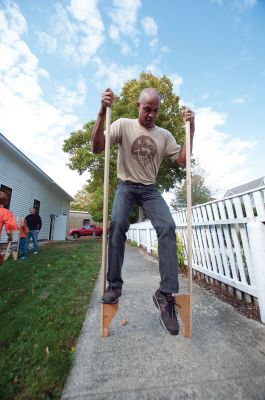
23 234
7 219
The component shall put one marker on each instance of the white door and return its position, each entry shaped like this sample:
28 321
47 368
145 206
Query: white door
60 225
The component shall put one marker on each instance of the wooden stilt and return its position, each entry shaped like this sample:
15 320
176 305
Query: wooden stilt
108 311
16 252
184 301
7 252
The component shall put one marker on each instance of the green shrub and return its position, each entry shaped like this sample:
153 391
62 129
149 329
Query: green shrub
180 253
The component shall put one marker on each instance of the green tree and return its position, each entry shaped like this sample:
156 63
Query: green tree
82 199
200 193
78 145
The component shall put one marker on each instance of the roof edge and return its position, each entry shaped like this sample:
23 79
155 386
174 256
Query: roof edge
30 163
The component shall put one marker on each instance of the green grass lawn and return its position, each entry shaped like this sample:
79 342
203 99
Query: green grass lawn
43 303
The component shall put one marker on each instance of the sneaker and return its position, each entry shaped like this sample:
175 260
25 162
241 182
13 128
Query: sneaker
22 258
35 252
111 295
166 306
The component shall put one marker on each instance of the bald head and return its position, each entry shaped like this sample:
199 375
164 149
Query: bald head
148 94
148 107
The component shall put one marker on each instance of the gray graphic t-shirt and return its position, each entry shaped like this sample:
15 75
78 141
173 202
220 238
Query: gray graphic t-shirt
141 150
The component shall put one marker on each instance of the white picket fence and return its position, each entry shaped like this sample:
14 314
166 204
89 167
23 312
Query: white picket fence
228 241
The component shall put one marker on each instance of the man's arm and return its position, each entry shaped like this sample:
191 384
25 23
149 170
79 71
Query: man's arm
187 115
98 137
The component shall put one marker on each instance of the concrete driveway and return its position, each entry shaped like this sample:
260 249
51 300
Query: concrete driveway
224 360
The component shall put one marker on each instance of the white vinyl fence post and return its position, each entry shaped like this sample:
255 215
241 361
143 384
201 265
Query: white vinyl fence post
148 240
256 233
138 237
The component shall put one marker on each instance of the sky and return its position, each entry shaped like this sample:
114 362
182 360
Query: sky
56 58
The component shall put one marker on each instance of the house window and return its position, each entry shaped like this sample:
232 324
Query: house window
8 191
86 221
36 205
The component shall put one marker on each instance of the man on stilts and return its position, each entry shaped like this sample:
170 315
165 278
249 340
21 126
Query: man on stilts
142 146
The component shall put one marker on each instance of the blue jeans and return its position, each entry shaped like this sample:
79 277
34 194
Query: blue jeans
22 246
156 209
34 236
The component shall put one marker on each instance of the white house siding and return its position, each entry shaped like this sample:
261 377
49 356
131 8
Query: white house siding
29 183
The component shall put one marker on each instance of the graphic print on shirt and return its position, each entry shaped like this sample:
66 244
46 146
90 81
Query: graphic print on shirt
143 150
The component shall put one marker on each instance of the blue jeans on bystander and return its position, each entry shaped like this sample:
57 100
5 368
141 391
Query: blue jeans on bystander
22 247
34 235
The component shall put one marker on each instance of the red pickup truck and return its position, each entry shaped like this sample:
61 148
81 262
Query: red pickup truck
86 230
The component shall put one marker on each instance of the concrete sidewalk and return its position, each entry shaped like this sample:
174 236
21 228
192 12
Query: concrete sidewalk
225 358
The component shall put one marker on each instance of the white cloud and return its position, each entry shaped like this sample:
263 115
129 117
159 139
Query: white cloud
153 68
238 100
35 126
14 19
204 96
165 49
125 48
241 99
47 42
43 73
124 18
87 12
149 26
150 29
114 75
153 43
78 31
223 158
177 81
124 26
243 5
67 99
114 32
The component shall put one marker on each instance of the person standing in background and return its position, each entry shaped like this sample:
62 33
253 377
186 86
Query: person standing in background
34 225
23 237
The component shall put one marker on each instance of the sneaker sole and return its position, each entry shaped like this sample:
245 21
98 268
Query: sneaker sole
160 318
